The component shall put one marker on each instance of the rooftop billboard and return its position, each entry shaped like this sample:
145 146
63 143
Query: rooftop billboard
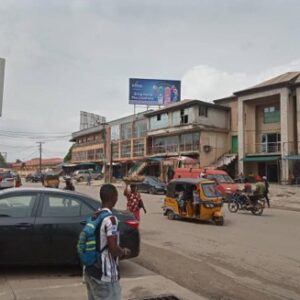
153 91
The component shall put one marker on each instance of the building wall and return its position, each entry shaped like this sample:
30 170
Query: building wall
218 142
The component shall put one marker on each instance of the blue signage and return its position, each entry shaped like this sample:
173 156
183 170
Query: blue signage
153 91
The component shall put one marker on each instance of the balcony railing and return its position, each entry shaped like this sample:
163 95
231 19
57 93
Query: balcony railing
272 147
175 148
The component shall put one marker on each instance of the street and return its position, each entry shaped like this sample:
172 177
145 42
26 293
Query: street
249 257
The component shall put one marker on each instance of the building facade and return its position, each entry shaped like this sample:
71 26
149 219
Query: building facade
268 127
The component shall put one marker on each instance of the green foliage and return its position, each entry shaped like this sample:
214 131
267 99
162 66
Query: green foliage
68 157
3 163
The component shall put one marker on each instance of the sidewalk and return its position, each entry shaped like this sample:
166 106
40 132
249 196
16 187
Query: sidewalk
137 283
285 196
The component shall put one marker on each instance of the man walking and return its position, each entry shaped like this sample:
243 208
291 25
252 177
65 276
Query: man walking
266 192
102 279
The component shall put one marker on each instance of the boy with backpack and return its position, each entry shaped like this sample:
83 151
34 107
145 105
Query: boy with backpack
99 249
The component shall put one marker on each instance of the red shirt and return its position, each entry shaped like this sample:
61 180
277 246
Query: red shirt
133 201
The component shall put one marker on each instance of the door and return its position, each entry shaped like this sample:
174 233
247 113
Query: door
60 219
234 144
272 172
16 228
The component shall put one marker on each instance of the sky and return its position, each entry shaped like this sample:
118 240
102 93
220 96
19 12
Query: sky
66 56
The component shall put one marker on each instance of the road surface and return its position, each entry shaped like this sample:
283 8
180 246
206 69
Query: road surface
250 257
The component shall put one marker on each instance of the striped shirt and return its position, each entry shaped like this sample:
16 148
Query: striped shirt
109 269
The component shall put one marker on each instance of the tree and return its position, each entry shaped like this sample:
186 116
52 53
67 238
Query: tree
68 157
18 161
3 163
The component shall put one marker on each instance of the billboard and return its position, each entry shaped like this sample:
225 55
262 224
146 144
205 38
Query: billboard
2 65
89 120
153 91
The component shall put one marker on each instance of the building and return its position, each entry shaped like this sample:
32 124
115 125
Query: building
128 137
90 145
190 128
33 165
268 127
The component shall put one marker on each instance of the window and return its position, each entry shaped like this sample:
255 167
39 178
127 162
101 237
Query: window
126 131
115 150
158 117
202 111
17 206
138 147
184 117
126 149
64 206
140 128
271 114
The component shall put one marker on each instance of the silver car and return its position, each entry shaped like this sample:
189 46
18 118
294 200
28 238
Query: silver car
82 175
7 180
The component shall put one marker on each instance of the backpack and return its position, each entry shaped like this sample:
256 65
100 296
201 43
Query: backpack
87 242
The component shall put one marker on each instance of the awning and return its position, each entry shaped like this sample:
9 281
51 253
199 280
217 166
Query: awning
292 157
261 158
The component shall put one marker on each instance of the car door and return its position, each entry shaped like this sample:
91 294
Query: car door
17 218
60 219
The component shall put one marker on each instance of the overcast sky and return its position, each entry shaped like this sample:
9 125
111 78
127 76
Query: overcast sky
66 56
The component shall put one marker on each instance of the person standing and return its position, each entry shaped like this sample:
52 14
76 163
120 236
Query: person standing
89 178
102 279
134 201
266 192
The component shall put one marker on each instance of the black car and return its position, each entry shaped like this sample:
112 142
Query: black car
41 226
35 177
152 185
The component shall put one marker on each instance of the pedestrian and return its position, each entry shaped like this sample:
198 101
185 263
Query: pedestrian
102 279
134 201
265 180
89 178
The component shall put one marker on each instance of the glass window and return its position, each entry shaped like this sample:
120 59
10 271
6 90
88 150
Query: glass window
202 111
17 206
138 147
115 150
126 149
140 128
210 190
62 206
115 132
271 114
126 131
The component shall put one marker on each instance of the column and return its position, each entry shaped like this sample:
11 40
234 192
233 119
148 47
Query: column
298 119
284 108
241 132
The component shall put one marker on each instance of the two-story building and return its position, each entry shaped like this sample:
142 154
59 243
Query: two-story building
268 129
191 128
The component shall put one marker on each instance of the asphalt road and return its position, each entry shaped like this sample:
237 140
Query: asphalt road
250 257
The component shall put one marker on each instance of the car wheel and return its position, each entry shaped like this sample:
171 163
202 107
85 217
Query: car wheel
170 215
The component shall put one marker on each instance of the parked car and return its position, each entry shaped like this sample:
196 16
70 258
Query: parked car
34 177
224 182
152 185
82 175
41 226
7 180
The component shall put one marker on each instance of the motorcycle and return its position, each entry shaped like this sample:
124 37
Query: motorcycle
249 202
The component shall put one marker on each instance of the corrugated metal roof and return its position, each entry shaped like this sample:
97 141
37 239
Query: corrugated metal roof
281 80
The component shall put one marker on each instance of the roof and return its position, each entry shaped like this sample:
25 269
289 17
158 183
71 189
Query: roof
42 189
282 80
229 98
36 162
184 104
189 180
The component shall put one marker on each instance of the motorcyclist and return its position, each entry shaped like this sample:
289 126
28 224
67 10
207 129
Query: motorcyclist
69 185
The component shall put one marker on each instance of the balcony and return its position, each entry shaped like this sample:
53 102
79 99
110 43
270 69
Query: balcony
173 149
263 148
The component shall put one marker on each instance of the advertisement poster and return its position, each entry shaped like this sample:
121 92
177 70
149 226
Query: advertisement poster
153 91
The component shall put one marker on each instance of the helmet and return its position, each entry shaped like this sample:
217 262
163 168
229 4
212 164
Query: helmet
264 178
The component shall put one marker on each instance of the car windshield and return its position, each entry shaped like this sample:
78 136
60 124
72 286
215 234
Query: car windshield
155 179
210 190
221 178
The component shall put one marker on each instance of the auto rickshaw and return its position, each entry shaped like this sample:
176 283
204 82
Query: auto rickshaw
51 180
196 199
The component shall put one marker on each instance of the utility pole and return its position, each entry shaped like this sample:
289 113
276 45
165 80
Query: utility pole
40 150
